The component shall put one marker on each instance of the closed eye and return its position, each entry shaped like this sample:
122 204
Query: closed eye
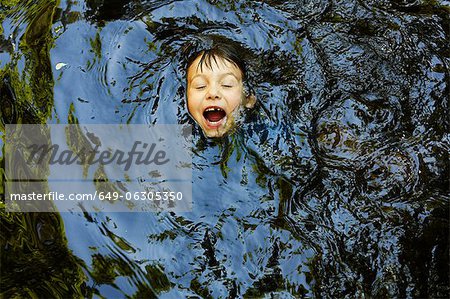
227 86
200 87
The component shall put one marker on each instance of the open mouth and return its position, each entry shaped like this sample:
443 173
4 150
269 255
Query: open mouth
214 115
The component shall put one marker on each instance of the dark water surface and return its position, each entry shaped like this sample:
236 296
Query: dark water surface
336 186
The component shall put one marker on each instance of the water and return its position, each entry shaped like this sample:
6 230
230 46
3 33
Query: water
335 186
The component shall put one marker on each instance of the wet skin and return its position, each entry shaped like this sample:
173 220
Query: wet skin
214 94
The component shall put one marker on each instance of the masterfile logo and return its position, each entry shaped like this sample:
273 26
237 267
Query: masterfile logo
140 153
98 167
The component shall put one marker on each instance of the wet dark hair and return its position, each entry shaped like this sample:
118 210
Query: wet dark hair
222 50
209 48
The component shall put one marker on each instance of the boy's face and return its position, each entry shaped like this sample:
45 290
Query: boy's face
213 93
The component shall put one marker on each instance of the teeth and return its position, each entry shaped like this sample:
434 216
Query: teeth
213 109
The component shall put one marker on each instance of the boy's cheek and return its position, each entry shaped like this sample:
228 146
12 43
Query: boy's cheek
196 117
192 102
194 97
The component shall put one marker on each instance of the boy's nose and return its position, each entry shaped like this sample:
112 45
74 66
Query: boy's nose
213 93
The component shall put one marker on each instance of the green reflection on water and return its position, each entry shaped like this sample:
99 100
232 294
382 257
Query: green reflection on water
35 259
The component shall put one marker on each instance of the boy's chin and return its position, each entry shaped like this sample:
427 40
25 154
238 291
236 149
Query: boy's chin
215 133
218 132
227 126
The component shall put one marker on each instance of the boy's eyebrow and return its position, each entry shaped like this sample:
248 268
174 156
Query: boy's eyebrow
223 75
230 73
195 76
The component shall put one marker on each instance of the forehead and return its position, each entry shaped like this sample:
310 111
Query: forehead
213 65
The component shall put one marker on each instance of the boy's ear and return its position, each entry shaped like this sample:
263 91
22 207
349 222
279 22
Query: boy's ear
250 101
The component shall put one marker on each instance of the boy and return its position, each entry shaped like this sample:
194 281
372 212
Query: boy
215 89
